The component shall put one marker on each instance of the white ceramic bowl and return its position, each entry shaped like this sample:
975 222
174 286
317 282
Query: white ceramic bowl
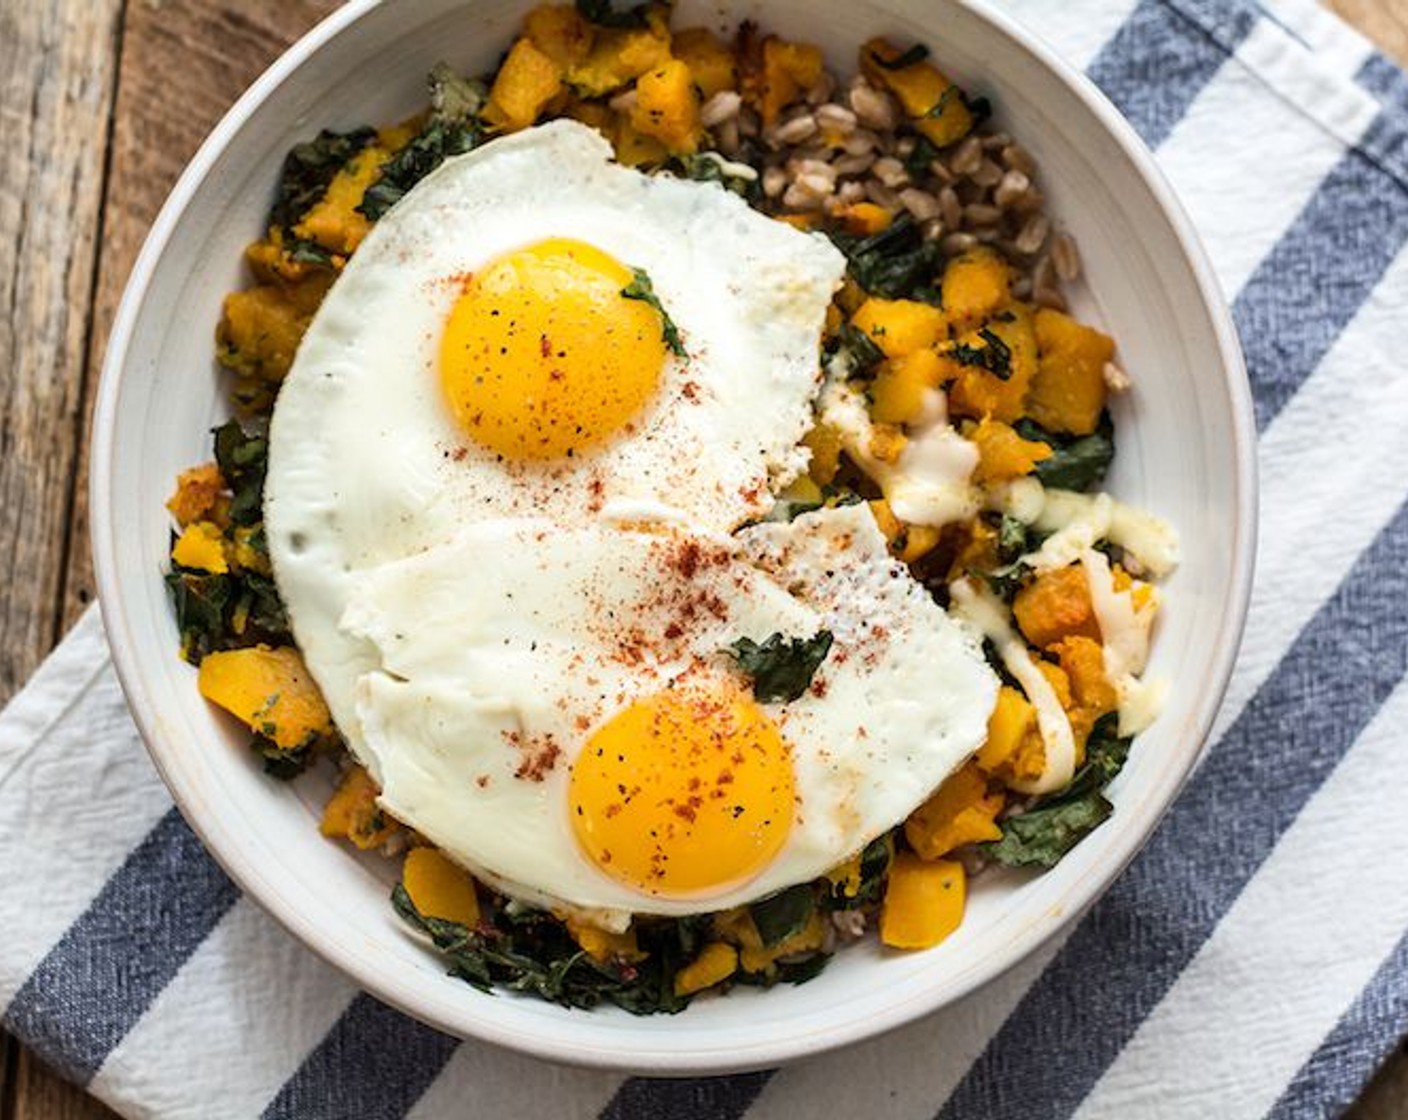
1186 438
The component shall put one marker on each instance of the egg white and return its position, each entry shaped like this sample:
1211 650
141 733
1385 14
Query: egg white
366 465
512 634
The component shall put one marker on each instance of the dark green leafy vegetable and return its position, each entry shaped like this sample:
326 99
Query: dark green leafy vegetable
786 972
601 13
280 762
530 951
860 348
995 357
781 668
917 53
1012 539
709 167
919 158
1077 463
1041 836
896 263
242 457
1006 581
875 863
309 168
452 129
207 606
784 914
640 288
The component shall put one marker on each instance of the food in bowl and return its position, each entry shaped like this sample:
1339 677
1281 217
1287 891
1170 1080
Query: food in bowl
688 556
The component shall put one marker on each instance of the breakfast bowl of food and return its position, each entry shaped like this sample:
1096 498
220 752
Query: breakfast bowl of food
673 539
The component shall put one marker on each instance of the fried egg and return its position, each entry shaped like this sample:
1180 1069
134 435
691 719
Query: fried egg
534 330
556 707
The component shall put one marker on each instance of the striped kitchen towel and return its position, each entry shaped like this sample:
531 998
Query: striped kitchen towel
1253 960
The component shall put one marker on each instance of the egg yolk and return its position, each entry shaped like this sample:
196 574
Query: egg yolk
543 355
684 792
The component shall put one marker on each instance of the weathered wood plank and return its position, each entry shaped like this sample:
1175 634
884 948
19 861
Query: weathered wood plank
183 65
57 62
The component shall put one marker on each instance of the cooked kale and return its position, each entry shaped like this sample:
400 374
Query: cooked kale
309 168
1077 462
859 348
995 357
709 167
917 53
601 13
875 862
896 263
242 457
640 288
784 914
452 129
1042 835
280 762
781 668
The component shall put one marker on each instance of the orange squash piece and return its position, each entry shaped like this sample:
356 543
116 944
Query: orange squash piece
1054 606
977 392
525 83
198 492
559 32
923 902
1068 392
1002 454
789 69
440 888
711 63
900 326
270 690
936 104
667 107
975 285
961 811
353 814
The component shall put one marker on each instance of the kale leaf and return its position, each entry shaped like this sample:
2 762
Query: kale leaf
309 168
995 357
601 13
861 350
242 457
1042 835
875 862
916 54
640 288
1077 462
784 914
452 129
710 167
781 668
896 263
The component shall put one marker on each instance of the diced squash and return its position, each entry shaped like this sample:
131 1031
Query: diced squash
634 148
937 105
716 962
977 392
394 137
978 552
334 221
975 285
353 814
710 62
202 547
846 878
603 945
246 553
1054 606
1142 594
800 221
789 70
1002 454
961 811
887 442
923 902
526 82
269 689
900 326
1068 392
885 519
863 218
737 928
271 261
617 56
262 326
440 888
897 395
802 489
824 442
917 541
560 32
667 107
1014 751
1083 661
198 493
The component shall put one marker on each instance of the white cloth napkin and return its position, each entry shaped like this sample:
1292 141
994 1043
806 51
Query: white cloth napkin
1252 961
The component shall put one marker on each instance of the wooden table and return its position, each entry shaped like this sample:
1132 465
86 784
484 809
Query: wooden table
101 104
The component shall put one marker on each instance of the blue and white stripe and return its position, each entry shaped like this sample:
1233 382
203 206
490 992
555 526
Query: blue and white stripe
1253 959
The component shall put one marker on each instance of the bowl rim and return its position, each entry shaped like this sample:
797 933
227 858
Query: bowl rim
123 645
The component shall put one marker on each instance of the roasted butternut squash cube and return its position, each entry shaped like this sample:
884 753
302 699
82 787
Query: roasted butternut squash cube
560 32
711 63
334 221
1068 391
605 945
716 962
975 286
863 218
439 887
1013 719
897 395
1002 454
526 82
202 547
978 392
923 902
198 492
269 689
1055 606
262 326
936 104
634 148
900 326
961 811
353 814
824 442
667 107
1083 661
789 70
618 55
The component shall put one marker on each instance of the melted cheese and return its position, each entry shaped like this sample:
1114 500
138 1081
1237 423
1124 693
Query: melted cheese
1076 518
929 483
1124 629
981 609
